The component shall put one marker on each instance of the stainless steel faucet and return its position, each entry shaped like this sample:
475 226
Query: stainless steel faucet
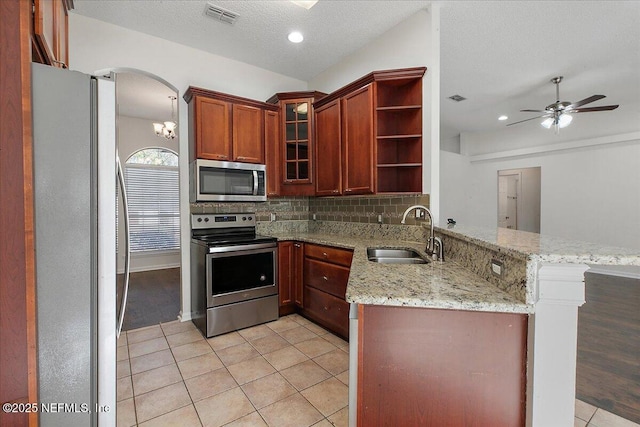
433 241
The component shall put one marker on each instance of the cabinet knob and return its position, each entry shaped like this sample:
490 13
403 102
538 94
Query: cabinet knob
324 254
348 190
297 245
241 158
221 156
335 191
325 278
326 308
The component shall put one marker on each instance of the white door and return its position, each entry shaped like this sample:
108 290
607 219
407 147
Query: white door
508 201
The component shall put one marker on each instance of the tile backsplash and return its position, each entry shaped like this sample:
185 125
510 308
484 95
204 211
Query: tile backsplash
365 209
355 209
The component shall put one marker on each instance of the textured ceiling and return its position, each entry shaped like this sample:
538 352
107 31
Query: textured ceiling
500 55
332 28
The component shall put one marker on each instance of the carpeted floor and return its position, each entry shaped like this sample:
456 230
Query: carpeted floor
154 297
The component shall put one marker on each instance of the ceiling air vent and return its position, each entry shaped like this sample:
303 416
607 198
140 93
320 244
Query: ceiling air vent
216 12
457 98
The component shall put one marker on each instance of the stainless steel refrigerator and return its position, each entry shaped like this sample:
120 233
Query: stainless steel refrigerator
79 308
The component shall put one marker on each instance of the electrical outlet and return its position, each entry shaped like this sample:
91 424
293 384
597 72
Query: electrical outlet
497 267
273 216
379 219
420 214
314 217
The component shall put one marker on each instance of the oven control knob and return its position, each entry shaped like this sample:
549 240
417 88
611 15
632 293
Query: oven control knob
244 218
250 218
206 220
263 278
199 219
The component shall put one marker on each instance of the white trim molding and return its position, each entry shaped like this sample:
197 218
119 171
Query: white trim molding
552 345
549 148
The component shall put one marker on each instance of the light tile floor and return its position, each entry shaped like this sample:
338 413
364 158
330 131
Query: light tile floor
284 373
589 415
290 372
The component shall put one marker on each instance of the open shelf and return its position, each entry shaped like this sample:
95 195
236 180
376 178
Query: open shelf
399 151
399 136
399 121
400 179
399 92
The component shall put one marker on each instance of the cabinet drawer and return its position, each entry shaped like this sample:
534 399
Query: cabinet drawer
329 311
326 277
325 253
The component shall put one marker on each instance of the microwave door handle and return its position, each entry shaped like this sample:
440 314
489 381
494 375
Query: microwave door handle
255 183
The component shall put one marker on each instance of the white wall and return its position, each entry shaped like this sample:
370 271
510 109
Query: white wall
412 43
95 46
135 134
590 192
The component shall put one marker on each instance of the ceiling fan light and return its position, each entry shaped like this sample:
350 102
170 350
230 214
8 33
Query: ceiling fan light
547 123
564 120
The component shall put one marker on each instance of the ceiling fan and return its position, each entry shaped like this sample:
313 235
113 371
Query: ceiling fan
558 113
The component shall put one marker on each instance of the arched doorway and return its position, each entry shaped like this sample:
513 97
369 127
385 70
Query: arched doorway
146 155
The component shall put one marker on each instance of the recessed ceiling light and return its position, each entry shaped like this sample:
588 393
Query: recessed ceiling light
295 37
307 4
457 98
502 118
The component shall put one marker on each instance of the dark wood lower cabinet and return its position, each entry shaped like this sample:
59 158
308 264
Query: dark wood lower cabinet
312 280
428 367
327 310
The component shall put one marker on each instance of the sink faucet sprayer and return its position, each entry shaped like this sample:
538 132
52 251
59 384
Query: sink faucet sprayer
434 247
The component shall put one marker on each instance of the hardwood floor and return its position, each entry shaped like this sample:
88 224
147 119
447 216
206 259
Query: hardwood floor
608 370
154 297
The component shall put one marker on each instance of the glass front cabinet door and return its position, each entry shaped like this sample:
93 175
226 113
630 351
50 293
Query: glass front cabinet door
296 156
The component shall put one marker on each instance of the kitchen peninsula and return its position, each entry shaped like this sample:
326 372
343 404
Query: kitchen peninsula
526 318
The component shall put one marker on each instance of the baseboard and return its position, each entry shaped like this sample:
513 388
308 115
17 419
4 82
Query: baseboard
628 271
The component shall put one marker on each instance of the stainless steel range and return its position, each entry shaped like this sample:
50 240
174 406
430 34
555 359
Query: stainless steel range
233 273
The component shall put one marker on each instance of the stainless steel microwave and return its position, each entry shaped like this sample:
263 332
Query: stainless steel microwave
213 180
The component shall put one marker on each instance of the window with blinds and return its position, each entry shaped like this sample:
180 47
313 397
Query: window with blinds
151 177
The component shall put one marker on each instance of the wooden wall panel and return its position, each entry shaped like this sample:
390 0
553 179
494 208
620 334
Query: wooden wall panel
18 376
441 368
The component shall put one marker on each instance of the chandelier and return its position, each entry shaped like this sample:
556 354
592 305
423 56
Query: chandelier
167 129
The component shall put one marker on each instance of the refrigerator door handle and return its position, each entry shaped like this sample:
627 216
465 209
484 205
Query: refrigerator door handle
127 238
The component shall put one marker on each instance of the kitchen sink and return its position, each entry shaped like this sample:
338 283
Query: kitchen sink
395 256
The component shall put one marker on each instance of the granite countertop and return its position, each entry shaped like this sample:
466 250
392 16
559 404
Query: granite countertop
539 248
445 285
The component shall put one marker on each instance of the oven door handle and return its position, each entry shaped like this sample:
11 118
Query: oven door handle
242 248
255 183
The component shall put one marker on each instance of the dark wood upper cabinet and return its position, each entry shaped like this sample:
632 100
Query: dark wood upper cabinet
226 127
297 160
50 34
381 134
212 129
248 134
272 151
328 150
357 142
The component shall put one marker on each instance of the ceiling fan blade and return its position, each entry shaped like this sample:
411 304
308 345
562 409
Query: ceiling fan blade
526 120
533 111
589 109
588 100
